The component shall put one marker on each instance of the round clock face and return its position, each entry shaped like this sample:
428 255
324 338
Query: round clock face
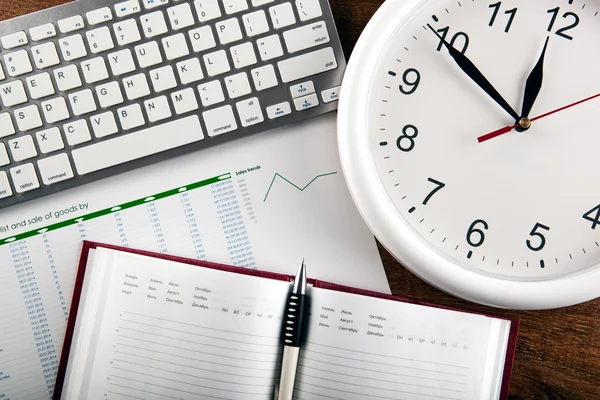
470 137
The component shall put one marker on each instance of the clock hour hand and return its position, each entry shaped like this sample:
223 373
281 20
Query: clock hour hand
471 70
534 84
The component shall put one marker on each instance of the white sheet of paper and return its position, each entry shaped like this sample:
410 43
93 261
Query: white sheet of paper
263 202
158 329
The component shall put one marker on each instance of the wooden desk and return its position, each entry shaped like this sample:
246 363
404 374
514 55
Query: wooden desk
558 354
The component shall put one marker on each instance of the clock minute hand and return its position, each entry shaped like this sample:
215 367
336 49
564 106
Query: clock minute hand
534 84
471 70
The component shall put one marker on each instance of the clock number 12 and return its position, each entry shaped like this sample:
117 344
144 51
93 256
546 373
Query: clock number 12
561 31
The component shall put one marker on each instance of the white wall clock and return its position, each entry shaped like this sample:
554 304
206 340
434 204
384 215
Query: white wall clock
469 133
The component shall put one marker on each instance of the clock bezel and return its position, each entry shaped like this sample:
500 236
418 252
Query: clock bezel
390 226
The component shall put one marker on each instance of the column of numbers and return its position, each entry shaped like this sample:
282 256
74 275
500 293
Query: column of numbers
55 277
159 235
192 224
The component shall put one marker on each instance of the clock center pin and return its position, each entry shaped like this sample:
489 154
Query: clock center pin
524 124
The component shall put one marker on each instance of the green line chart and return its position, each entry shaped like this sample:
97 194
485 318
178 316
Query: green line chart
118 208
301 189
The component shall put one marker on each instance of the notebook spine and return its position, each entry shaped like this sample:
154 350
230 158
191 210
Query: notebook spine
295 319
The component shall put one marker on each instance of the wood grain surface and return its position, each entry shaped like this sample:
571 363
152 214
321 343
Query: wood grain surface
558 353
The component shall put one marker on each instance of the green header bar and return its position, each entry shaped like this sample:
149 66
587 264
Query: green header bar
112 210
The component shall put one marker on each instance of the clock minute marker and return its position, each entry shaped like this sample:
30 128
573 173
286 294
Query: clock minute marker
542 264
412 210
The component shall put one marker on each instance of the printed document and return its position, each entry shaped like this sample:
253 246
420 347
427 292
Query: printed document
263 202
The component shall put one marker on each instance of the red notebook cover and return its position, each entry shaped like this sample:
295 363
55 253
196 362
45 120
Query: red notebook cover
87 246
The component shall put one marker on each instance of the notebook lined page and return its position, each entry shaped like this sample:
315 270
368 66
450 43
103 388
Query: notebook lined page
366 348
175 331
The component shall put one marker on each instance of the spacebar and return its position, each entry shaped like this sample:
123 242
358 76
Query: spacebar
137 145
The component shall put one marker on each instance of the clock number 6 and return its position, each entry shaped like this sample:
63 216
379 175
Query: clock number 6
534 232
473 230
406 142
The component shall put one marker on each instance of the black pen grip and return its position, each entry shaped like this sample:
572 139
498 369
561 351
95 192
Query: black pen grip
294 319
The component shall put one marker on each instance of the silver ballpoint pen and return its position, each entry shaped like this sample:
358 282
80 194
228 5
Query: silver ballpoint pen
293 331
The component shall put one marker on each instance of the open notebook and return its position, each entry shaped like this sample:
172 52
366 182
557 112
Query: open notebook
147 326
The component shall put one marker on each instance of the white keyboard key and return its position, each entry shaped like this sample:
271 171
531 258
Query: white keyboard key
40 86
180 16
13 93
131 116
99 16
70 24
238 85
306 102
308 9
50 140
18 63
184 101
28 118
55 169
45 55
136 145
175 47
189 71
229 31
269 47
67 78
163 78
104 124
256 23
77 132
121 62
207 10
307 64
100 40
307 36
72 48
279 110
219 121
264 77
22 148
148 54
154 24
243 55
109 94
216 63
2 76
126 8
282 15
234 6
5 190
211 93
157 109
331 95
202 38
82 102
55 110
42 32
4 160
94 70
6 125
150 4
302 89
258 3
136 86
127 32
24 178
250 112
14 40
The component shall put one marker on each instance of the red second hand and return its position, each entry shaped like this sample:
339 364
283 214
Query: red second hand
507 129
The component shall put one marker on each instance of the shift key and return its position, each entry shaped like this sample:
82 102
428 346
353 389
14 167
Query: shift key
307 64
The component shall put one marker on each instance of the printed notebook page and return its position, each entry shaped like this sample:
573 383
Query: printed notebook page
367 348
149 328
